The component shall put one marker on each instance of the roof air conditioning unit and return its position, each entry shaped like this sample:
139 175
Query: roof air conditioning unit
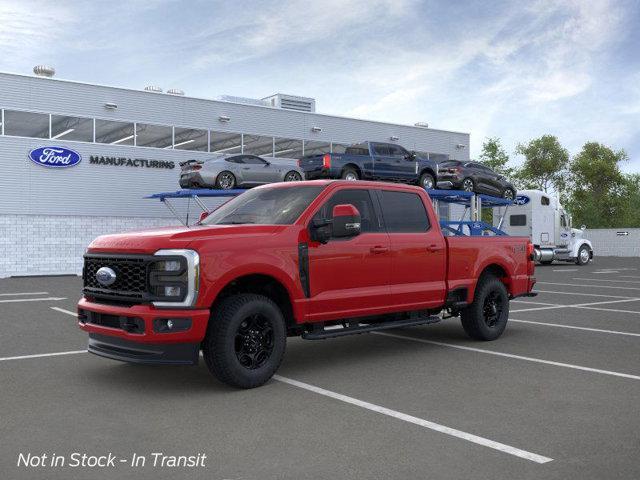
292 102
153 88
175 91
44 71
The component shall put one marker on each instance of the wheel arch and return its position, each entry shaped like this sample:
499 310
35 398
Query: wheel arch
579 244
354 166
496 269
262 284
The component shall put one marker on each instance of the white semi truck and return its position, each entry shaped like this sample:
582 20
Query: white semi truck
539 216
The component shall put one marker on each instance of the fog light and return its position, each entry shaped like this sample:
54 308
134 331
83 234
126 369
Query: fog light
172 291
169 325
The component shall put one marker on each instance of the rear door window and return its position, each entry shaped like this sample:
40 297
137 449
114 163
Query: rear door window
380 149
403 212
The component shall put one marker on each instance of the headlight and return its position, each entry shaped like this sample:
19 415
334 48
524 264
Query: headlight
175 278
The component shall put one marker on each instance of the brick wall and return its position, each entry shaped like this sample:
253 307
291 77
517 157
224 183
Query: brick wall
53 245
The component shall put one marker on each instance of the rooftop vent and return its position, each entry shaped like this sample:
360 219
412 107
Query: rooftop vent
153 88
175 91
292 102
244 100
422 124
44 71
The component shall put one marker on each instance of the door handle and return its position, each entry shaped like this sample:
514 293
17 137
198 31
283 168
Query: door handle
379 249
434 248
246 168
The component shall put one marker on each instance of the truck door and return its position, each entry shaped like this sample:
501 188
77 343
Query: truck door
350 277
382 161
564 230
418 252
403 165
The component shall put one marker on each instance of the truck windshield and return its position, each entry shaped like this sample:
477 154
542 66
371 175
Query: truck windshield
266 206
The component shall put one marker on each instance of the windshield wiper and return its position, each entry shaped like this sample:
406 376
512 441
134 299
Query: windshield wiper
234 222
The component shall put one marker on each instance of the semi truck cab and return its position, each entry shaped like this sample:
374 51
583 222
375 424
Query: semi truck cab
541 217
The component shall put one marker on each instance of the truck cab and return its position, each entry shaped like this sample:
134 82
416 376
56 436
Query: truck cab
540 216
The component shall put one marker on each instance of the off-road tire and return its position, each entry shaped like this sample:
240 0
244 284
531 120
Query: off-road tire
473 317
219 345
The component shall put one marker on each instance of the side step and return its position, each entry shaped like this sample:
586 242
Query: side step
364 328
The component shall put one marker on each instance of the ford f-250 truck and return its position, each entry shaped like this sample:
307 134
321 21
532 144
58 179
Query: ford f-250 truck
373 161
318 259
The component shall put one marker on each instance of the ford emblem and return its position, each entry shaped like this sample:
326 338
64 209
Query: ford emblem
105 276
521 200
55 157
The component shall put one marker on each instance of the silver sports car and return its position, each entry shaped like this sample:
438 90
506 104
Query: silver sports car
238 170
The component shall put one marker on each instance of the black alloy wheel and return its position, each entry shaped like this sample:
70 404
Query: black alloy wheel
254 341
492 309
467 185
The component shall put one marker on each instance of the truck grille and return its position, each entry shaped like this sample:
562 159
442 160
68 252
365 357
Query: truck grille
131 277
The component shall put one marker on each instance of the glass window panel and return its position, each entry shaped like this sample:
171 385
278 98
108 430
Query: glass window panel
312 147
72 128
258 145
115 133
288 148
26 124
222 142
190 139
157 136
338 147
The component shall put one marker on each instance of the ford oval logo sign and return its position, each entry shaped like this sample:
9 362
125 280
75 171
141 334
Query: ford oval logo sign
55 157
105 276
521 200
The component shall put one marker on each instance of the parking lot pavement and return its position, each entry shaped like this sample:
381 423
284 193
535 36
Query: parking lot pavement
543 401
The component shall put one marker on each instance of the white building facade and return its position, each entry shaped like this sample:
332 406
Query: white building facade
129 144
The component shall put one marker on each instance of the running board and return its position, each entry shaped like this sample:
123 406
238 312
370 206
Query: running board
373 327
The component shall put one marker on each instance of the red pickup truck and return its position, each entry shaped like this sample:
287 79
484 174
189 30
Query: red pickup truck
318 259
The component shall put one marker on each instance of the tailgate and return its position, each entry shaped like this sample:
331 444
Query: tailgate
470 256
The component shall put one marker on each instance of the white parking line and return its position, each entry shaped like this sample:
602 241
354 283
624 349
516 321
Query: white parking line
22 293
527 303
628 276
485 442
510 355
565 270
16 300
580 305
605 280
611 310
582 294
62 310
596 286
41 355
598 330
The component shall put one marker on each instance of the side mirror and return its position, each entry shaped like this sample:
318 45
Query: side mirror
267 163
583 227
203 215
346 221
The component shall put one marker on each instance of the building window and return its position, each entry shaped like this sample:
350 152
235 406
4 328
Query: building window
157 136
224 142
338 147
72 128
26 124
190 139
312 147
258 145
287 148
114 133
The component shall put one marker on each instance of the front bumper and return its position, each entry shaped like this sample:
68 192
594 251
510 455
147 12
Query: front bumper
133 333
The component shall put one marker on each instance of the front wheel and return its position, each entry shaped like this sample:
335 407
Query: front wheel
427 181
508 194
486 318
468 185
293 176
584 255
245 340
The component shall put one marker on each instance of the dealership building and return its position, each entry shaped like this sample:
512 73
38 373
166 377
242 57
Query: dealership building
128 144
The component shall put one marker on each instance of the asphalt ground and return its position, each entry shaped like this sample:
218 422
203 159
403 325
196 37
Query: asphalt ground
555 397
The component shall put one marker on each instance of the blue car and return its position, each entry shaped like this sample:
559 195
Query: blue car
373 161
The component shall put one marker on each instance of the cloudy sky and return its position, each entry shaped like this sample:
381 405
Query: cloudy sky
515 70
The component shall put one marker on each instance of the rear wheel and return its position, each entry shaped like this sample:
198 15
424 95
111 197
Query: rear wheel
468 185
427 181
350 174
584 255
245 340
509 194
486 318
225 181
293 176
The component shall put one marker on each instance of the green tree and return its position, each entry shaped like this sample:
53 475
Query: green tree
495 157
631 213
599 192
545 164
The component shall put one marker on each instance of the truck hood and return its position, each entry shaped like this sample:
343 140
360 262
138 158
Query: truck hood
151 240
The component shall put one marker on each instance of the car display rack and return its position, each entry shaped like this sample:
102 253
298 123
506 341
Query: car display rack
473 203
